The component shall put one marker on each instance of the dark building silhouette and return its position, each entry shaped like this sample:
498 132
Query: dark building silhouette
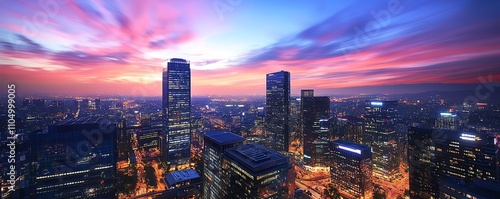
74 159
278 110
315 112
422 163
216 142
253 171
441 160
176 135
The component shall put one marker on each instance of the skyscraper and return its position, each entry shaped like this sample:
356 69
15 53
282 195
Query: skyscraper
74 159
176 135
216 142
351 169
253 171
278 109
380 134
422 164
315 112
439 159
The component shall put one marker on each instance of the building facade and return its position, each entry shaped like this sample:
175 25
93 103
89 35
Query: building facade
351 169
74 159
315 111
380 134
176 135
278 110
215 143
253 171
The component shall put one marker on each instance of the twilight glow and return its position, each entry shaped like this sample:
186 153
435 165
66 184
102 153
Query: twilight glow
117 47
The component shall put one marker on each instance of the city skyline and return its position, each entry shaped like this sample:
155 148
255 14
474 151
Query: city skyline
114 48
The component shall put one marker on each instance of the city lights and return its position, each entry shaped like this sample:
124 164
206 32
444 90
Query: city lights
350 149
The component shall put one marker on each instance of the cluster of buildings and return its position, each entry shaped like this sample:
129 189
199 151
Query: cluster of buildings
78 158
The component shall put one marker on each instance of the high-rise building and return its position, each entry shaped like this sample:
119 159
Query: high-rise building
447 121
422 163
467 155
176 135
439 158
74 159
253 171
351 169
215 143
315 113
380 134
278 109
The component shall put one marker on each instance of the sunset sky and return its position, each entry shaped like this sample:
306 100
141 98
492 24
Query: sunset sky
117 47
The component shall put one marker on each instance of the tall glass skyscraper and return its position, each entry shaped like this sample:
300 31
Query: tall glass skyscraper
176 135
315 112
380 134
278 110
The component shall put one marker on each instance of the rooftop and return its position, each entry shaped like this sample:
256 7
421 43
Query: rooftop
351 146
178 60
256 158
224 137
181 176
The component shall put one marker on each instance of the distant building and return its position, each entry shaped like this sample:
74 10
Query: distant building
380 134
216 142
74 159
350 129
176 135
315 111
253 171
447 121
183 185
278 110
351 169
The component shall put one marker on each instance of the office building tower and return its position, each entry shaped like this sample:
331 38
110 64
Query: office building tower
215 143
253 171
97 103
176 135
278 110
467 155
447 121
351 169
74 159
315 113
380 134
440 159
422 163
